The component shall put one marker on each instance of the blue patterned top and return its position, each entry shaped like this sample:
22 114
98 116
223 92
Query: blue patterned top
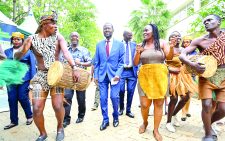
81 53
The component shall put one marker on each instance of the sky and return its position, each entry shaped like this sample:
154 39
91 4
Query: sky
116 12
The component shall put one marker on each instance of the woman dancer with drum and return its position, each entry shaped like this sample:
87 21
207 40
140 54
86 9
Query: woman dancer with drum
153 76
46 45
180 85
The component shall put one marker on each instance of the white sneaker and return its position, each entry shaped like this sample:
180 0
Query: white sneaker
215 128
175 121
170 127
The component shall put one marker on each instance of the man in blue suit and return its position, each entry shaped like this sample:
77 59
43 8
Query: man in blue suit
108 67
129 74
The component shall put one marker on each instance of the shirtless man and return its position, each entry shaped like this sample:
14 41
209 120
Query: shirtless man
46 46
210 44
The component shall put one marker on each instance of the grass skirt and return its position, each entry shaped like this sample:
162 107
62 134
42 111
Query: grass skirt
12 72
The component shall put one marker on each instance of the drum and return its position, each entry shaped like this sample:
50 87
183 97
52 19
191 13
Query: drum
60 75
209 62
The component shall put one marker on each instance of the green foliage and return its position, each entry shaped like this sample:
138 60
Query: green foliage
152 11
216 8
73 15
7 9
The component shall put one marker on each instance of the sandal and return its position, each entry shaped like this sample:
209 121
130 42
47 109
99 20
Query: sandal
142 128
157 137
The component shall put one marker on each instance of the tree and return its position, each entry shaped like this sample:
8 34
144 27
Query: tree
152 11
216 7
21 9
73 15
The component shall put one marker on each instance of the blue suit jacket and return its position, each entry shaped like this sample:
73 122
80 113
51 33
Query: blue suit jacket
133 48
112 65
28 59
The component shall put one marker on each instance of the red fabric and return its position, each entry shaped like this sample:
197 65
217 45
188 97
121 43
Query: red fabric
107 48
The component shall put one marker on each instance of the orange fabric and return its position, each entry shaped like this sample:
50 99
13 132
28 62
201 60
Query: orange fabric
175 62
206 89
182 82
217 50
153 79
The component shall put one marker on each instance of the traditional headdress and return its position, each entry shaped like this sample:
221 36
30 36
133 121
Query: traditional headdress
53 17
45 19
17 34
189 38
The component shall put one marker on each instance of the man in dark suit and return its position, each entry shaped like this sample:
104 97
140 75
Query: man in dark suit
129 74
108 67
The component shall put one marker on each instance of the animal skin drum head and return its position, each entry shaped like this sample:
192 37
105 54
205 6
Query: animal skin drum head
208 61
55 73
210 64
60 75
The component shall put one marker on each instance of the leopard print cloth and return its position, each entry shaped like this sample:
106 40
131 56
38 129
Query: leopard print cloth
45 47
39 81
217 49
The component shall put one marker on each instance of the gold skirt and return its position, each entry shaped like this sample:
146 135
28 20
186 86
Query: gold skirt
153 80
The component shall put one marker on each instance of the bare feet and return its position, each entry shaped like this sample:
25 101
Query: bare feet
143 128
157 136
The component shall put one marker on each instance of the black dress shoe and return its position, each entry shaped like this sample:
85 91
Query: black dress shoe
79 120
41 138
104 126
60 135
120 112
11 125
66 123
130 115
115 123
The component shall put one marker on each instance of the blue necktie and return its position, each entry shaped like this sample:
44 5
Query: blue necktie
127 55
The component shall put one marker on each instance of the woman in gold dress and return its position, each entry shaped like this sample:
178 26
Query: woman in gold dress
152 76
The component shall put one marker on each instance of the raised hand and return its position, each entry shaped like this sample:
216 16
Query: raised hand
139 48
